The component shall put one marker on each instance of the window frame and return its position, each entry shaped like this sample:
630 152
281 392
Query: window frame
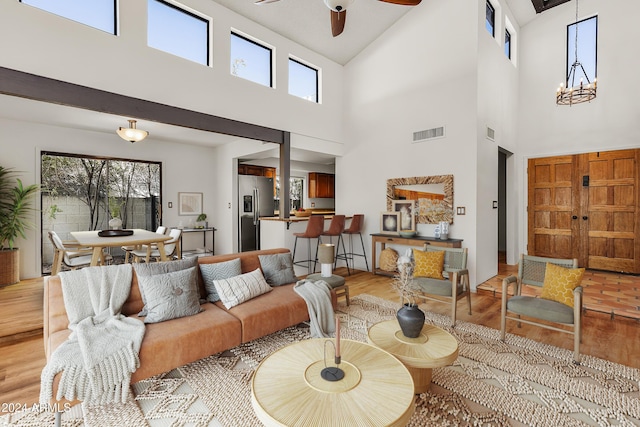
489 6
311 67
507 43
595 47
193 14
115 17
259 43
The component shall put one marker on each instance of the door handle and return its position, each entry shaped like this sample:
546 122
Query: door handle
575 217
585 217
256 203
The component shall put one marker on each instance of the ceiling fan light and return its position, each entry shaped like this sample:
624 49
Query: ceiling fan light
338 5
132 134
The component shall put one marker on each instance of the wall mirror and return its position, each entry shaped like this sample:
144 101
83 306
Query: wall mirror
433 196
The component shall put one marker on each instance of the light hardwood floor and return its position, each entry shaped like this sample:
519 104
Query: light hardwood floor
22 353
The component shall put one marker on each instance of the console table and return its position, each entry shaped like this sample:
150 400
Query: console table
204 232
392 239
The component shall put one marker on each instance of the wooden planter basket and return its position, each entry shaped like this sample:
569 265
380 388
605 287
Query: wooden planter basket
9 266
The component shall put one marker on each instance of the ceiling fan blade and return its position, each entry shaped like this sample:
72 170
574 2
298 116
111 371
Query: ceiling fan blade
337 22
264 1
403 2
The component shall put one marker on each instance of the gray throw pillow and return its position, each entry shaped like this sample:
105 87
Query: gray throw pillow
171 295
151 269
218 271
278 269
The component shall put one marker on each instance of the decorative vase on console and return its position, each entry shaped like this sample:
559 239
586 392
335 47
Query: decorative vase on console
410 316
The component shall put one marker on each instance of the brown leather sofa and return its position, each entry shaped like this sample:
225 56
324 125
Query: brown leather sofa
173 343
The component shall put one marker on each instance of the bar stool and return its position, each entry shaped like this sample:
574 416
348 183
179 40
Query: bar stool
315 226
336 227
355 228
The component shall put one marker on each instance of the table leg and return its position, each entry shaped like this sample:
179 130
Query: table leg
163 255
421 378
96 256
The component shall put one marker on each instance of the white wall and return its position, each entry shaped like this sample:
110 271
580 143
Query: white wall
610 122
52 46
497 109
182 170
420 74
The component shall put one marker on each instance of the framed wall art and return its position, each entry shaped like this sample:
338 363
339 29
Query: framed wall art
189 203
389 222
406 208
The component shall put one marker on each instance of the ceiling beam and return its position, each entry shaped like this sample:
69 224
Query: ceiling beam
39 88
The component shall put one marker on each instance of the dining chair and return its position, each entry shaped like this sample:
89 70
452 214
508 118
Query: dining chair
70 254
127 249
171 249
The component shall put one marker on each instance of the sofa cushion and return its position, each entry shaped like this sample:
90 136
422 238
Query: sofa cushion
171 295
151 269
238 289
277 269
218 271
271 312
176 342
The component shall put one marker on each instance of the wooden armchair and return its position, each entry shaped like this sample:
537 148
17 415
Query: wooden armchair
453 285
531 271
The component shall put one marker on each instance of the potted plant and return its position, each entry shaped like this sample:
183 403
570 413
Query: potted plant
14 206
410 316
201 221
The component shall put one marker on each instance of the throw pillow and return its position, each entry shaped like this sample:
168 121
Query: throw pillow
238 289
428 264
151 269
218 271
277 269
559 283
171 295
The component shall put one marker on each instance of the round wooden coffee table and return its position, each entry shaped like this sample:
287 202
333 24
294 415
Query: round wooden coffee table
287 389
434 348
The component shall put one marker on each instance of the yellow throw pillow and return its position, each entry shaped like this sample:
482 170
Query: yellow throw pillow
428 264
559 283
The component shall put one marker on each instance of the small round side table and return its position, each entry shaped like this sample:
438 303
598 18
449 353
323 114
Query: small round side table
433 348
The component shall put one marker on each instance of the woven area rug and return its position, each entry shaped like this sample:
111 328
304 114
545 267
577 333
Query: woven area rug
516 383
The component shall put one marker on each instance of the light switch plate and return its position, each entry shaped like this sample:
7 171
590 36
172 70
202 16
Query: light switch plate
170 204
460 210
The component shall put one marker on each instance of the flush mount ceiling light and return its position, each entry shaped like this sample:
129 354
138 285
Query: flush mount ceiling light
570 92
132 134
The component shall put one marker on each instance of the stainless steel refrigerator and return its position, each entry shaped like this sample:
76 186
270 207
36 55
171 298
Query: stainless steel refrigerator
255 200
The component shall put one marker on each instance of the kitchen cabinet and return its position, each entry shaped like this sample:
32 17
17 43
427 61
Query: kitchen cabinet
245 169
321 185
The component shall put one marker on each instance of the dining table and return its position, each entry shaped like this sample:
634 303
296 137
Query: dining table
137 238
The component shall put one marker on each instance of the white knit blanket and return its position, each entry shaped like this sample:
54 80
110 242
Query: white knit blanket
317 295
102 351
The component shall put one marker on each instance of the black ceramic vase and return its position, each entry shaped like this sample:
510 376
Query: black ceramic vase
411 320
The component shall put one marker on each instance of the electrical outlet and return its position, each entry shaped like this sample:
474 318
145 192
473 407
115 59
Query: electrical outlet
229 205
313 204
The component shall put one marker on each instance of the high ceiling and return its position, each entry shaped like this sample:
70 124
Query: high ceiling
307 22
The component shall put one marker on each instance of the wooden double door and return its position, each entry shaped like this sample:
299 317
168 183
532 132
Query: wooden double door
586 206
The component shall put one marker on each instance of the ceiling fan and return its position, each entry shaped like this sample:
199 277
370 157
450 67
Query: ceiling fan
339 11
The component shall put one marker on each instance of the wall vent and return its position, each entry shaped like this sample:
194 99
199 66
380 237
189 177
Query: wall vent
424 135
491 134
